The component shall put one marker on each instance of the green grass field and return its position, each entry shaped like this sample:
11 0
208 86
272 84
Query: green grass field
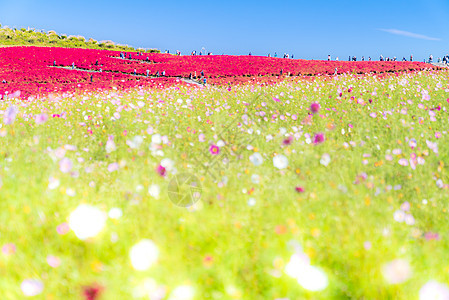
361 215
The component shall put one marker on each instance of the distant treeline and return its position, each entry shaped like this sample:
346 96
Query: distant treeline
31 36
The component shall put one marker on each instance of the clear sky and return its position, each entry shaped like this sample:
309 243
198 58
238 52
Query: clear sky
307 29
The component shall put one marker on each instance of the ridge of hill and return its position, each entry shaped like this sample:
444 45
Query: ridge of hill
32 37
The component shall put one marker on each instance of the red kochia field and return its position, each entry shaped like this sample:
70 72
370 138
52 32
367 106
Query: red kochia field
31 70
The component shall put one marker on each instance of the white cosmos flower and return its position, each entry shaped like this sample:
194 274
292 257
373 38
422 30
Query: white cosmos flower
110 146
154 190
397 271
87 221
433 290
156 139
143 254
115 213
325 159
256 159
280 161
32 287
309 277
182 292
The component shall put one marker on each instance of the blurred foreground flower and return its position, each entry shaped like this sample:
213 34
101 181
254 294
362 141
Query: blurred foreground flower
32 287
433 290
87 221
397 271
309 277
143 254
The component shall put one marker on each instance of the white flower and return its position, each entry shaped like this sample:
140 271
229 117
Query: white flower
280 161
53 183
135 142
325 159
156 139
115 213
182 292
32 287
256 159
110 146
154 191
309 277
399 216
397 271
433 290
149 288
86 221
143 255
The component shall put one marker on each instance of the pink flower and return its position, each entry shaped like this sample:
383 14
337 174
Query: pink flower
63 228
9 249
431 236
299 189
42 118
315 107
113 167
201 137
288 141
92 292
161 170
10 115
65 165
214 150
53 261
319 138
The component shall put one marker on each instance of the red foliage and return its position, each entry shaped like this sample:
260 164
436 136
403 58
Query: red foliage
31 69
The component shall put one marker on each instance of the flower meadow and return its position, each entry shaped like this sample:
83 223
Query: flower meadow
326 188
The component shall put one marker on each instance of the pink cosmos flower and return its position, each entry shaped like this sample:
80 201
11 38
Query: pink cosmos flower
315 107
53 261
9 249
319 138
113 167
161 170
10 115
63 228
431 236
214 150
92 292
42 118
65 165
299 189
288 141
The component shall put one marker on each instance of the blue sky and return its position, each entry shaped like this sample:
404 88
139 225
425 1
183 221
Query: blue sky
307 29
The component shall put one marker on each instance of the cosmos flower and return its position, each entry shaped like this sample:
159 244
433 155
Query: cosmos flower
309 277
161 170
41 118
92 292
325 159
10 115
319 138
397 271
154 191
280 161
315 107
32 287
65 165
256 159
214 150
182 292
87 221
143 254
434 290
